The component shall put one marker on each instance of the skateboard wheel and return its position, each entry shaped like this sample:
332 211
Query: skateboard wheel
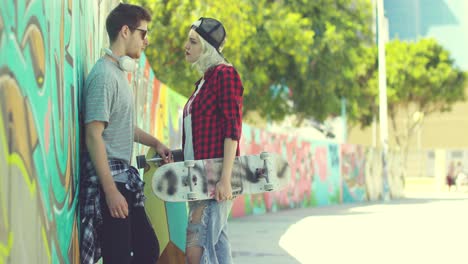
189 163
264 155
269 187
191 196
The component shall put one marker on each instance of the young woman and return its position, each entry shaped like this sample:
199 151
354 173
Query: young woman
212 129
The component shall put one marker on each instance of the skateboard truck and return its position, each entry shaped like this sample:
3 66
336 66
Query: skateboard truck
236 192
141 159
268 186
190 164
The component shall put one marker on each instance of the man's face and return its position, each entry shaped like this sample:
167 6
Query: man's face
138 40
193 47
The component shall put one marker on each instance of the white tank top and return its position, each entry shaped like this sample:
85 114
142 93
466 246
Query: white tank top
188 146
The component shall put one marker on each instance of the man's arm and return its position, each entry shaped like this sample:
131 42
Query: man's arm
146 139
97 150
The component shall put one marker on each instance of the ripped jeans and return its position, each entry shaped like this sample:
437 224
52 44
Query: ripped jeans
208 229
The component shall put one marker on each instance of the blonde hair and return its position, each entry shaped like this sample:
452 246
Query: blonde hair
210 56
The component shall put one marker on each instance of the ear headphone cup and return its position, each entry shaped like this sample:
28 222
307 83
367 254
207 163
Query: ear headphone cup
125 62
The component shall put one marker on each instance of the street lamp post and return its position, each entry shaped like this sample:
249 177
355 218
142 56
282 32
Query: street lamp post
381 31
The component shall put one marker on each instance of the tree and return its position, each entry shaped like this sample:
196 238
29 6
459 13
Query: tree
363 109
293 56
261 37
343 35
421 79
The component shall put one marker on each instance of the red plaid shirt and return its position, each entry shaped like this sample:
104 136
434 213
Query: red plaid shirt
216 112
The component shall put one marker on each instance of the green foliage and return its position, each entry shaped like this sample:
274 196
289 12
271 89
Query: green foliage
365 105
314 52
422 73
309 47
421 79
343 31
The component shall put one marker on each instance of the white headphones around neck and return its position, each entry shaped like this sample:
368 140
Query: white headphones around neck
125 62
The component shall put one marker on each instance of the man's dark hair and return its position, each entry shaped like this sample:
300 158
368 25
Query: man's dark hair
125 14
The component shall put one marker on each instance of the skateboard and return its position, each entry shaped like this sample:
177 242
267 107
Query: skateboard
192 180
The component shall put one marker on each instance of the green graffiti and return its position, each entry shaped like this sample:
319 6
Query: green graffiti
50 46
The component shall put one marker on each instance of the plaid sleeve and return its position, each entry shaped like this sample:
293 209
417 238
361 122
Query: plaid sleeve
230 101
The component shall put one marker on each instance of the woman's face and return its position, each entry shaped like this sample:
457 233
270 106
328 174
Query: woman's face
193 47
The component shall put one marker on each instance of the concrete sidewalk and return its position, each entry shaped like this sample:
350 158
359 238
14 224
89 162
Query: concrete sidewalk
423 228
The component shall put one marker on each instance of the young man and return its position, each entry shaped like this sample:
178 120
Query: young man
113 218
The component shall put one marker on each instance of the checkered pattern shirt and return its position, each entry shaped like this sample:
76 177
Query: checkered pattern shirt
90 204
216 112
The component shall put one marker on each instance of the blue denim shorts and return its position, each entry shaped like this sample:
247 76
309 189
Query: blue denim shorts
211 233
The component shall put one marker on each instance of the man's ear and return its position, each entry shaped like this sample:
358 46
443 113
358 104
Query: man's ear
125 31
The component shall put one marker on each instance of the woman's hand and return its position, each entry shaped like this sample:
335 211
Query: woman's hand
223 190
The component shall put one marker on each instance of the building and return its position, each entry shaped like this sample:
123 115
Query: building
445 21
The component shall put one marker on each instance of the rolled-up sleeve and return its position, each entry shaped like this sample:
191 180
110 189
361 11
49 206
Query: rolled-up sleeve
231 101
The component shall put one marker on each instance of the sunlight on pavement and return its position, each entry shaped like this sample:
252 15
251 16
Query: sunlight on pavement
423 231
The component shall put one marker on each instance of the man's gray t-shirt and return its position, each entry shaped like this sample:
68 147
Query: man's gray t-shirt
108 97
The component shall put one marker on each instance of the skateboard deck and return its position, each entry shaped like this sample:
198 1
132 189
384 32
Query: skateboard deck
161 214
196 179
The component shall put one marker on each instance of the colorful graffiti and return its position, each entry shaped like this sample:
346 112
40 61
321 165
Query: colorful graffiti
47 49
315 174
323 173
353 162
42 63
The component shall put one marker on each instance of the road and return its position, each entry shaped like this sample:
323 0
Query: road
429 229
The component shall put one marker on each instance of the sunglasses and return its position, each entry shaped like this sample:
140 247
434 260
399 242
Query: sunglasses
144 33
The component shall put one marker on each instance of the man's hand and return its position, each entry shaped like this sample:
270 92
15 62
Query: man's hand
164 152
117 204
146 139
223 190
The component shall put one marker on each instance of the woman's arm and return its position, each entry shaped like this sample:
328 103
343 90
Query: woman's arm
230 103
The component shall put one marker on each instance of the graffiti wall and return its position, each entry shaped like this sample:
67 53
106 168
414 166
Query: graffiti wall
322 173
46 50
46 47
353 163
